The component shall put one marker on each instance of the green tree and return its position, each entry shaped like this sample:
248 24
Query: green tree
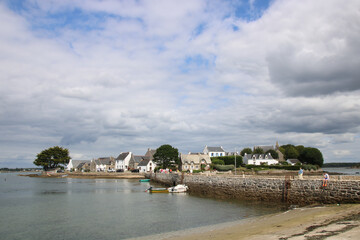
246 150
273 153
311 156
291 153
52 157
300 148
258 151
166 156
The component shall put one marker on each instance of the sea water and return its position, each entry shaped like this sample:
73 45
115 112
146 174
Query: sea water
70 208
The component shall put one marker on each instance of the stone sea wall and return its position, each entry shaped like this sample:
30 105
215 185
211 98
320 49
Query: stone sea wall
286 190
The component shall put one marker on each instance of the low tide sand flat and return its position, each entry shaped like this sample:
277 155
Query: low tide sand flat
328 221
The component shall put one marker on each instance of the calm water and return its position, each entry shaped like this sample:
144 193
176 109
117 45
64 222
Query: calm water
347 171
65 208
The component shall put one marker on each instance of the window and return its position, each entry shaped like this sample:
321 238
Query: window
212 154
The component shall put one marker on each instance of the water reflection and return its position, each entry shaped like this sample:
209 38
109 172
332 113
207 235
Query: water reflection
105 209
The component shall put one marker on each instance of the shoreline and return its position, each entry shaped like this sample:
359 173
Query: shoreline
90 175
312 222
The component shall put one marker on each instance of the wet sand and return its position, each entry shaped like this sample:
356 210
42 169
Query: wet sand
315 222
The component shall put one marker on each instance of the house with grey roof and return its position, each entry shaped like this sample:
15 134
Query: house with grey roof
146 165
214 151
259 159
103 164
78 165
150 153
293 161
125 161
193 161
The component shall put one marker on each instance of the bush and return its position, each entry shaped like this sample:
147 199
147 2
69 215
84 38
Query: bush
218 162
197 171
229 160
310 167
224 167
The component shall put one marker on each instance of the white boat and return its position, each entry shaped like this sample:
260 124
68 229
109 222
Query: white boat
180 188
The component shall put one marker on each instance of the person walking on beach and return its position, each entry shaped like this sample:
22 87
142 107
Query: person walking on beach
301 172
326 179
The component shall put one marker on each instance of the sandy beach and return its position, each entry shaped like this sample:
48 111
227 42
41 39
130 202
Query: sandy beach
314 222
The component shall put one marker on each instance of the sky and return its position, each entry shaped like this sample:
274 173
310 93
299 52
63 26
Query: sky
101 77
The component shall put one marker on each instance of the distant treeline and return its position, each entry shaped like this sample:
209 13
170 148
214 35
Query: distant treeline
18 169
341 164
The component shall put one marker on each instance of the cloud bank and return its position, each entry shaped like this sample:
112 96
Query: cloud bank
103 77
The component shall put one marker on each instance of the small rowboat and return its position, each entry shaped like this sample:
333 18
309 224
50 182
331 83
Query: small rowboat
144 180
157 190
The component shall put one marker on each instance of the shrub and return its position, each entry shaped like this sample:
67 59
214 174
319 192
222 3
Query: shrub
218 162
224 167
229 160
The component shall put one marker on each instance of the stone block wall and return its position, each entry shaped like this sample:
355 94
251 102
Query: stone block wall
290 191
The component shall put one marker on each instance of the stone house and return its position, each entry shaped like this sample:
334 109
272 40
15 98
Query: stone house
150 153
193 161
103 164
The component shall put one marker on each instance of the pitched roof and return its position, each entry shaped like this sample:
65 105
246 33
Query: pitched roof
144 163
150 153
195 158
77 163
138 158
122 156
104 161
258 156
265 148
215 149
293 161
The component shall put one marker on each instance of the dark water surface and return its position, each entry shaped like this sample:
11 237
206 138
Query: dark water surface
65 208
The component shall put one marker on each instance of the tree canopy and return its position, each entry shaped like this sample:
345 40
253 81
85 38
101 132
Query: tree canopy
166 156
273 153
258 151
311 156
52 157
246 150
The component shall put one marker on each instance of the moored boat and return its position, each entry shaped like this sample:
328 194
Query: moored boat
144 180
157 190
180 188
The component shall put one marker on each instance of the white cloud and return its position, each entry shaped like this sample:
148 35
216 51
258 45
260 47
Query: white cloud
341 153
142 75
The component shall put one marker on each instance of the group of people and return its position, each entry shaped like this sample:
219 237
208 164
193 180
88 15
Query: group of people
325 180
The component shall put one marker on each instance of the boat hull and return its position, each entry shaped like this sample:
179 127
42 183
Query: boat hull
144 180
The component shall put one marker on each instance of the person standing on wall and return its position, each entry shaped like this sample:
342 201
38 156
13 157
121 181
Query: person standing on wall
301 172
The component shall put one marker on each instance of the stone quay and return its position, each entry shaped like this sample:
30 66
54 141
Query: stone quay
286 189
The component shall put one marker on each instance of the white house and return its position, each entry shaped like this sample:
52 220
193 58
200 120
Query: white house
214 151
293 161
146 165
193 161
259 159
76 165
124 160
